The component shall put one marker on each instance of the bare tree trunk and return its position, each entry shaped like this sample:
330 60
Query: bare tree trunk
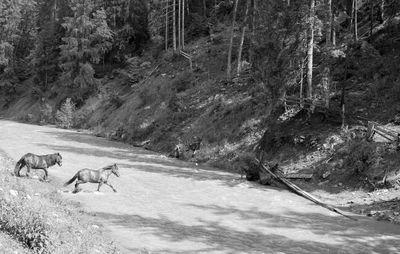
371 16
183 24
333 31
204 8
179 24
174 24
342 100
382 8
329 30
343 105
55 16
326 85
301 81
310 52
229 67
166 24
355 8
242 38
253 30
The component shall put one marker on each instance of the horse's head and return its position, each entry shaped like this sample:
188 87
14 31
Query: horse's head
115 170
58 159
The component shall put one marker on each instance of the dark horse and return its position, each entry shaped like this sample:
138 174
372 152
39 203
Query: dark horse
100 176
33 161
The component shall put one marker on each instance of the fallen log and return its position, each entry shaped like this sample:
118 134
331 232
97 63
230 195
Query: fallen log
306 176
141 144
301 192
394 136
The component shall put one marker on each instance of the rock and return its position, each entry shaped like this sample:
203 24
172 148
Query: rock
133 61
28 197
95 226
14 193
326 174
163 75
322 183
37 194
145 64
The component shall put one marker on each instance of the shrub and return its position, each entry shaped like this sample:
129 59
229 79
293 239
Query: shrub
27 225
46 114
80 118
65 115
183 82
362 156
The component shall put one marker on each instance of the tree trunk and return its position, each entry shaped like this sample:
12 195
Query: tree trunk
242 38
229 67
204 8
325 85
355 10
253 31
382 10
329 30
183 24
179 24
342 100
55 17
174 24
310 52
166 24
301 81
371 16
333 31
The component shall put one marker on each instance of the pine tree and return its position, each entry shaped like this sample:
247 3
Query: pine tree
10 18
87 39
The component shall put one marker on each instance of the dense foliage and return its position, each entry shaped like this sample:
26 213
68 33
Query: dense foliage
64 40
290 46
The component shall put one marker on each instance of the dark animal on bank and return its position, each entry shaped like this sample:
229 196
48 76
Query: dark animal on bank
33 161
100 176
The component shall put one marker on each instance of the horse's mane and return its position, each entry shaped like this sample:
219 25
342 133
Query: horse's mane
51 159
109 167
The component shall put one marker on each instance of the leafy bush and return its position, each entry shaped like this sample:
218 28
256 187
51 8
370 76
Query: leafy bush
65 115
362 156
183 82
25 224
80 118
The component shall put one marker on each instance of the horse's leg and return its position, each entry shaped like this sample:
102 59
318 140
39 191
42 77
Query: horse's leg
100 184
20 167
76 190
110 186
28 170
46 175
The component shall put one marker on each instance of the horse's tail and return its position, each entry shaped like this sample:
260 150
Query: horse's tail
18 166
71 180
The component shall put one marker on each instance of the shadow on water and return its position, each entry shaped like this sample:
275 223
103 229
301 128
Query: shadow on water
222 238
